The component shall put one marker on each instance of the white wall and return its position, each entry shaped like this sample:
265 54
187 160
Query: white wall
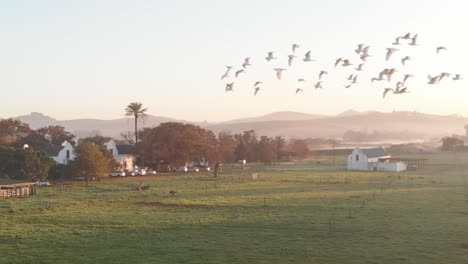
357 164
391 166
112 147
62 155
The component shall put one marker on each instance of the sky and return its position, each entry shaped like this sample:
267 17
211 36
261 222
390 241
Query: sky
89 59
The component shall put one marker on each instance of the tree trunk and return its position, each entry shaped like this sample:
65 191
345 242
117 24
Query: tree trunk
216 169
136 129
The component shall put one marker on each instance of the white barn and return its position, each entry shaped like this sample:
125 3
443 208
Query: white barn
373 159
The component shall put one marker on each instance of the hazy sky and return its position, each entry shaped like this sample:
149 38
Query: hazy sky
75 59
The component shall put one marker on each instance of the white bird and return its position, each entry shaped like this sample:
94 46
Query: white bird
228 68
405 59
377 79
229 87
270 56
256 90
397 41
279 72
355 79
407 76
365 51
414 40
386 90
433 80
318 85
295 47
290 59
390 52
307 57
338 61
406 36
239 72
299 90
359 49
350 78
225 75
348 86
442 75
457 77
246 63
390 74
346 63
438 49
321 74
359 68
301 80
257 83
364 57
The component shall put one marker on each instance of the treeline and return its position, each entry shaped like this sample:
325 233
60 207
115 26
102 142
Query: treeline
177 143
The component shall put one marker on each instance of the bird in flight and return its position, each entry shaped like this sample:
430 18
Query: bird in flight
348 86
270 56
246 63
257 89
279 72
359 68
439 49
434 80
406 36
321 74
299 90
318 85
406 77
229 87
397 41
359 49
257 83
346 63
338 61
405 59
414 40
307 57
390 52
457 77
239 72
301 80
225 75
290 59
295 47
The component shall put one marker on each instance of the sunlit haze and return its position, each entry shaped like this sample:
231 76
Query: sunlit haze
91 58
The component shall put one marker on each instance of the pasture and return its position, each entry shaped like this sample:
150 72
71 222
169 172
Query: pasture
292 213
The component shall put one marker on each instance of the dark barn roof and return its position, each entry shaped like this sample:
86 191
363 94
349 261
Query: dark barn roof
12 182
126 149
52 151
375 153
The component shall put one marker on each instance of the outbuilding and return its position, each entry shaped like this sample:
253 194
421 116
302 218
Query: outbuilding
373 159
15 188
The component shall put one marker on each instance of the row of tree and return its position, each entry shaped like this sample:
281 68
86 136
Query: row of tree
177 143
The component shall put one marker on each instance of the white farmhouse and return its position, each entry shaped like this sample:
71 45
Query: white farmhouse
123 154
62 154
373 159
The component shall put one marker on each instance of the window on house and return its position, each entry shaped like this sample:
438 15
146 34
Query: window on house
357 157
68 154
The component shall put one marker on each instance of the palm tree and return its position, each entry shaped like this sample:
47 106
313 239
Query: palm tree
136 110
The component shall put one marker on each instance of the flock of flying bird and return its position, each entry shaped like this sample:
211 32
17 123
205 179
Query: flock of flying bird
362 51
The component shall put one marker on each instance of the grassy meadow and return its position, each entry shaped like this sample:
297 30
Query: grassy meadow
292 213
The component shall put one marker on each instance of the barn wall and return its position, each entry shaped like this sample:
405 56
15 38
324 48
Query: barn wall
361 164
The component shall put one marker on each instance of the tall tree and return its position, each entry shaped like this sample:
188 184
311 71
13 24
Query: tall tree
91 161
11 130
137 111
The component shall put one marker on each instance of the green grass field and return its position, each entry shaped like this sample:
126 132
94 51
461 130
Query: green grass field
303 213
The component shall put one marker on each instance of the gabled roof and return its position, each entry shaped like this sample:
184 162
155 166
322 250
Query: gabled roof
52 151
126 149
375 153
12 182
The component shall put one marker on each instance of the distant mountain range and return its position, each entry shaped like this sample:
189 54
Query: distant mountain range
286 124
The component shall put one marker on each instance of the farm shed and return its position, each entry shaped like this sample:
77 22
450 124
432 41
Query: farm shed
373 159
14 188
